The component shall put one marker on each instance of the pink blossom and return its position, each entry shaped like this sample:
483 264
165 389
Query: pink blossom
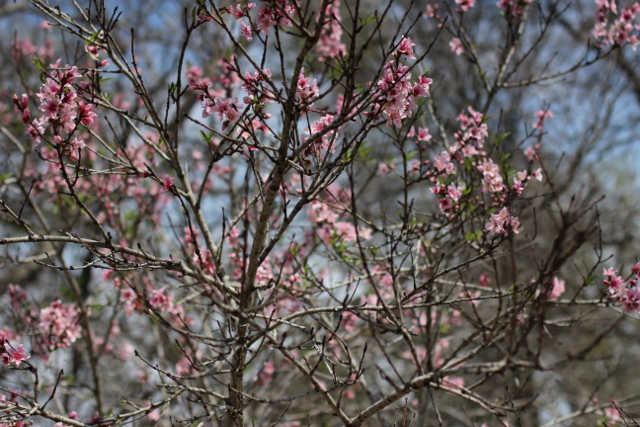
397 94
329 45
406 47
87 116
636 269
537 174
17 295
456 46
423 135
502 222
492 181
161 301
227 109
74 148
18 355
542 114
246 31
443 163
383 169
60 322
557 290
531 152
306 91
465 4
631 300
167 183
455 191
321 212
431 11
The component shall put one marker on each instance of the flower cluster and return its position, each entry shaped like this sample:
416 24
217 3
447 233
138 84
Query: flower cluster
473 132
465 5
623 30
241 11
511 9
275 13
625 292
541 115
329 45
456 46
255 87
12 354
330 228
63 111
396 92
327 141
469 141
227 109
502 223
492 181
306 91
449 196
61 324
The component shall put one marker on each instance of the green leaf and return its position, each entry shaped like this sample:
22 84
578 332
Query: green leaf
206 138
369 19
93 38
4 177
38 63
472 237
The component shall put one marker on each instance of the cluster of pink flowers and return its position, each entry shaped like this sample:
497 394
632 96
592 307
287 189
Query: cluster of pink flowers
228 110
25 48
275 13
625 292
161 301
513 9
205 262
449 196
158 299
18 297
197 82
330 229
241 11
492 181
60 322
469 140
521 178
473 132
464 5
327 141
254 85
62 109
541 115
329 44
396 91
502 223
306 91
468 147
622 30
456 46
10 354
